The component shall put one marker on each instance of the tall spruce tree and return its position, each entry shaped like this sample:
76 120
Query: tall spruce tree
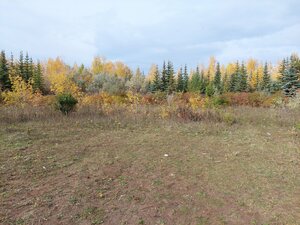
290 81
243 79
225 83
38 78
5 83
27 68
266 82
203 82
234 79
21 68
217 80
180 81
13 70
31 68
164 81
195 83
210 91
185 79
156 80
171 84
295 64
282 67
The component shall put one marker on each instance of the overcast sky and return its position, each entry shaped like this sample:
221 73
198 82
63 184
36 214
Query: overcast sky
142 32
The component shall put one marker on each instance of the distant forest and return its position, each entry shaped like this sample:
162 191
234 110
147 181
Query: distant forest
55 76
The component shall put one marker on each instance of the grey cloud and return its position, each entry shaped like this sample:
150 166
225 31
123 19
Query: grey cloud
142 32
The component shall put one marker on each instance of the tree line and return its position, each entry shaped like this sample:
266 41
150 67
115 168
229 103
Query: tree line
116 76
239 80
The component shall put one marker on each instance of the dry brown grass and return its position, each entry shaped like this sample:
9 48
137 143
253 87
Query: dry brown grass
94 167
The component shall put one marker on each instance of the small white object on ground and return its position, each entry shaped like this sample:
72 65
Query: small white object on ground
166 155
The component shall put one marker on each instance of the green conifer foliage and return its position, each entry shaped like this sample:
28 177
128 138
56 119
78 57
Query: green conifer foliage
27 72
217 79
195 82
243 79
5 83
157 80
164 81
290 81
171 84
266 82
180 81
203 82
21 68
38 78
210 90
185 79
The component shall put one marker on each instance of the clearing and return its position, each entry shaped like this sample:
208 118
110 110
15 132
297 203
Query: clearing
93 169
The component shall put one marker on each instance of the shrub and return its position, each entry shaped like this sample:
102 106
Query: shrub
294 103
229 119
149 98
110 84
235 99
248 99
66 103
220 100
188 114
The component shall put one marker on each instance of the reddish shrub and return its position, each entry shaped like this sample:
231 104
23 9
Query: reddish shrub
248 99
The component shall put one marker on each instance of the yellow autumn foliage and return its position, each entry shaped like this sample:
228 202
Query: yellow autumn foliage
21 93
195 102
60 83
57 74
101 66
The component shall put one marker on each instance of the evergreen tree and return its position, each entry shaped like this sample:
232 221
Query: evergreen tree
203 82
31 68
12 67
164 81
209 91
217 79
290 81
295 64
234 79
4 73
21 69
38 78
148 87
185 79
171 85
257 84
195 83
26 68
180 81
243 79
225 83
157 80
265 86
282 68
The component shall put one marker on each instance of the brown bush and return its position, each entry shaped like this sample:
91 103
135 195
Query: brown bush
248 99
188 114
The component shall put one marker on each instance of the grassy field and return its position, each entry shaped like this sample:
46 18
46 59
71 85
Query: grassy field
123 169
